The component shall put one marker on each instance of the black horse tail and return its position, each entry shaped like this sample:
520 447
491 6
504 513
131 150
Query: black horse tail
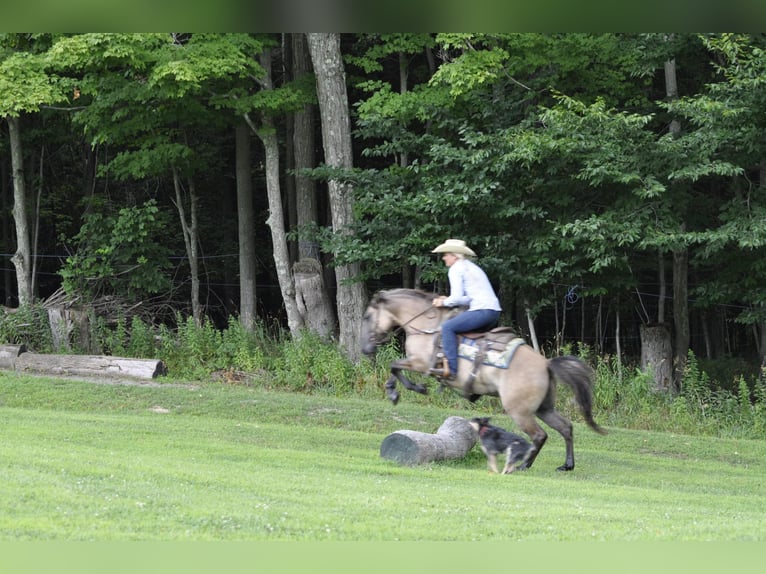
577 374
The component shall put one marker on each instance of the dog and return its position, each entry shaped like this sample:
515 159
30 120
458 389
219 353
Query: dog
495 440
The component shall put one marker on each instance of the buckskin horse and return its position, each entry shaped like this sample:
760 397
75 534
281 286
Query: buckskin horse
526 385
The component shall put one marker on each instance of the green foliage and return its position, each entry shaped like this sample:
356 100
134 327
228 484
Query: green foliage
551 153
117 340
141 342
623 396
27 326
197 346
123 254
243 349
307 363
26 84
628 399
195 60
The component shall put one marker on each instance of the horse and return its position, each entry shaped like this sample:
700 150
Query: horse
526 387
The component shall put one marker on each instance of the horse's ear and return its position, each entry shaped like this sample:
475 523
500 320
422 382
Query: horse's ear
379 297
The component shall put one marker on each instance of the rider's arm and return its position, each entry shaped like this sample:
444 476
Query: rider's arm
457 294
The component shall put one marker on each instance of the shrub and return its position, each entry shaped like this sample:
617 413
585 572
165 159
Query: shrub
624 395
28 326
308 362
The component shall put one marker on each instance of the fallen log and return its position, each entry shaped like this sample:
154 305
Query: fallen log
9 354
14 357
454 439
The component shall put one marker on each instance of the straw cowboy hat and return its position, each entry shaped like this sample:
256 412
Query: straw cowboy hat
454 246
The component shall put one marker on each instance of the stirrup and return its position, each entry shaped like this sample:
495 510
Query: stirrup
441 373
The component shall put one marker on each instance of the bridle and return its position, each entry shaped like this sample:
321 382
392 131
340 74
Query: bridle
379 338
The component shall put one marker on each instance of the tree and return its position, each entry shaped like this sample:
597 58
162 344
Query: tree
267 134
336 137
25 86
558 188
245 230
22 259
311 292
133 85
552 154
157 98
725 134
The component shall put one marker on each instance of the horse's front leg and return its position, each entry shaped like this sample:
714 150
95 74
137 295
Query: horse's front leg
391 392
405 365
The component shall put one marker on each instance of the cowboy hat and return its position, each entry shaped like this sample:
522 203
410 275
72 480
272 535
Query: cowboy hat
454 246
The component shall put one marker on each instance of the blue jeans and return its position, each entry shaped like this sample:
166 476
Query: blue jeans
464 322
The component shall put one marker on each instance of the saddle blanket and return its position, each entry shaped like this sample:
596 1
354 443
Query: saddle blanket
468 349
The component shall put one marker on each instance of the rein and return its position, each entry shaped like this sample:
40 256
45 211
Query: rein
401 327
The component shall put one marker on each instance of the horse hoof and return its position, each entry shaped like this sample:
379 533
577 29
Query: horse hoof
565 468
394 397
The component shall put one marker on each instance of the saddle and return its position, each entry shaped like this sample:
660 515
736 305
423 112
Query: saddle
502 341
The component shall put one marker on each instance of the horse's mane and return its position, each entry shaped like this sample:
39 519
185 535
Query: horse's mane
408 293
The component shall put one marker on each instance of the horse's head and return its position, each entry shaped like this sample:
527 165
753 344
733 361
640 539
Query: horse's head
395 308
377 323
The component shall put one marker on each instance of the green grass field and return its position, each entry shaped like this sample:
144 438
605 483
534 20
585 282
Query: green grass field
102 462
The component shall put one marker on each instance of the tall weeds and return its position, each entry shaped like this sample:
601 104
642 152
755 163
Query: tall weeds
629 399
267 356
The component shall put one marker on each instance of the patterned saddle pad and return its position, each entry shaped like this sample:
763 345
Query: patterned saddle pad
496 356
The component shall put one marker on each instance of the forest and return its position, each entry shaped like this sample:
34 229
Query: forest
613 185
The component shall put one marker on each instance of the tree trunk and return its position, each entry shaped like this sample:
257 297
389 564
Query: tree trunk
35 235
276 223
7 275
90 366
305 157
617 344
671 90
245 230
276 220
336 138
454 439
663 288
657 354
531 326
23 256
761 341
191 240
16 358
680 313
291 216
680 259
312 298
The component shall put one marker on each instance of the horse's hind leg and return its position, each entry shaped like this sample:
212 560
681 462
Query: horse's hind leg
536 434
555 420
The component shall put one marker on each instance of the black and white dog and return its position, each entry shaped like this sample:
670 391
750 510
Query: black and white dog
495 440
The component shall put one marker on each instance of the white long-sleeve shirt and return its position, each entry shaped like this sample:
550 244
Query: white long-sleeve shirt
470 286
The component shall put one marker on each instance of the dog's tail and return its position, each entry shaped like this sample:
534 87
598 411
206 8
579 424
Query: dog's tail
578 375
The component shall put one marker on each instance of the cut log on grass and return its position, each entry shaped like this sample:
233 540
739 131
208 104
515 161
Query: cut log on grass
454 439
13 357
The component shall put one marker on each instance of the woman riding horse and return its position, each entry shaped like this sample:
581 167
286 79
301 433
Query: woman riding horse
525 384
469 286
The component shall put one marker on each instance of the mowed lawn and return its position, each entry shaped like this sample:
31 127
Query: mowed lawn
95 462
